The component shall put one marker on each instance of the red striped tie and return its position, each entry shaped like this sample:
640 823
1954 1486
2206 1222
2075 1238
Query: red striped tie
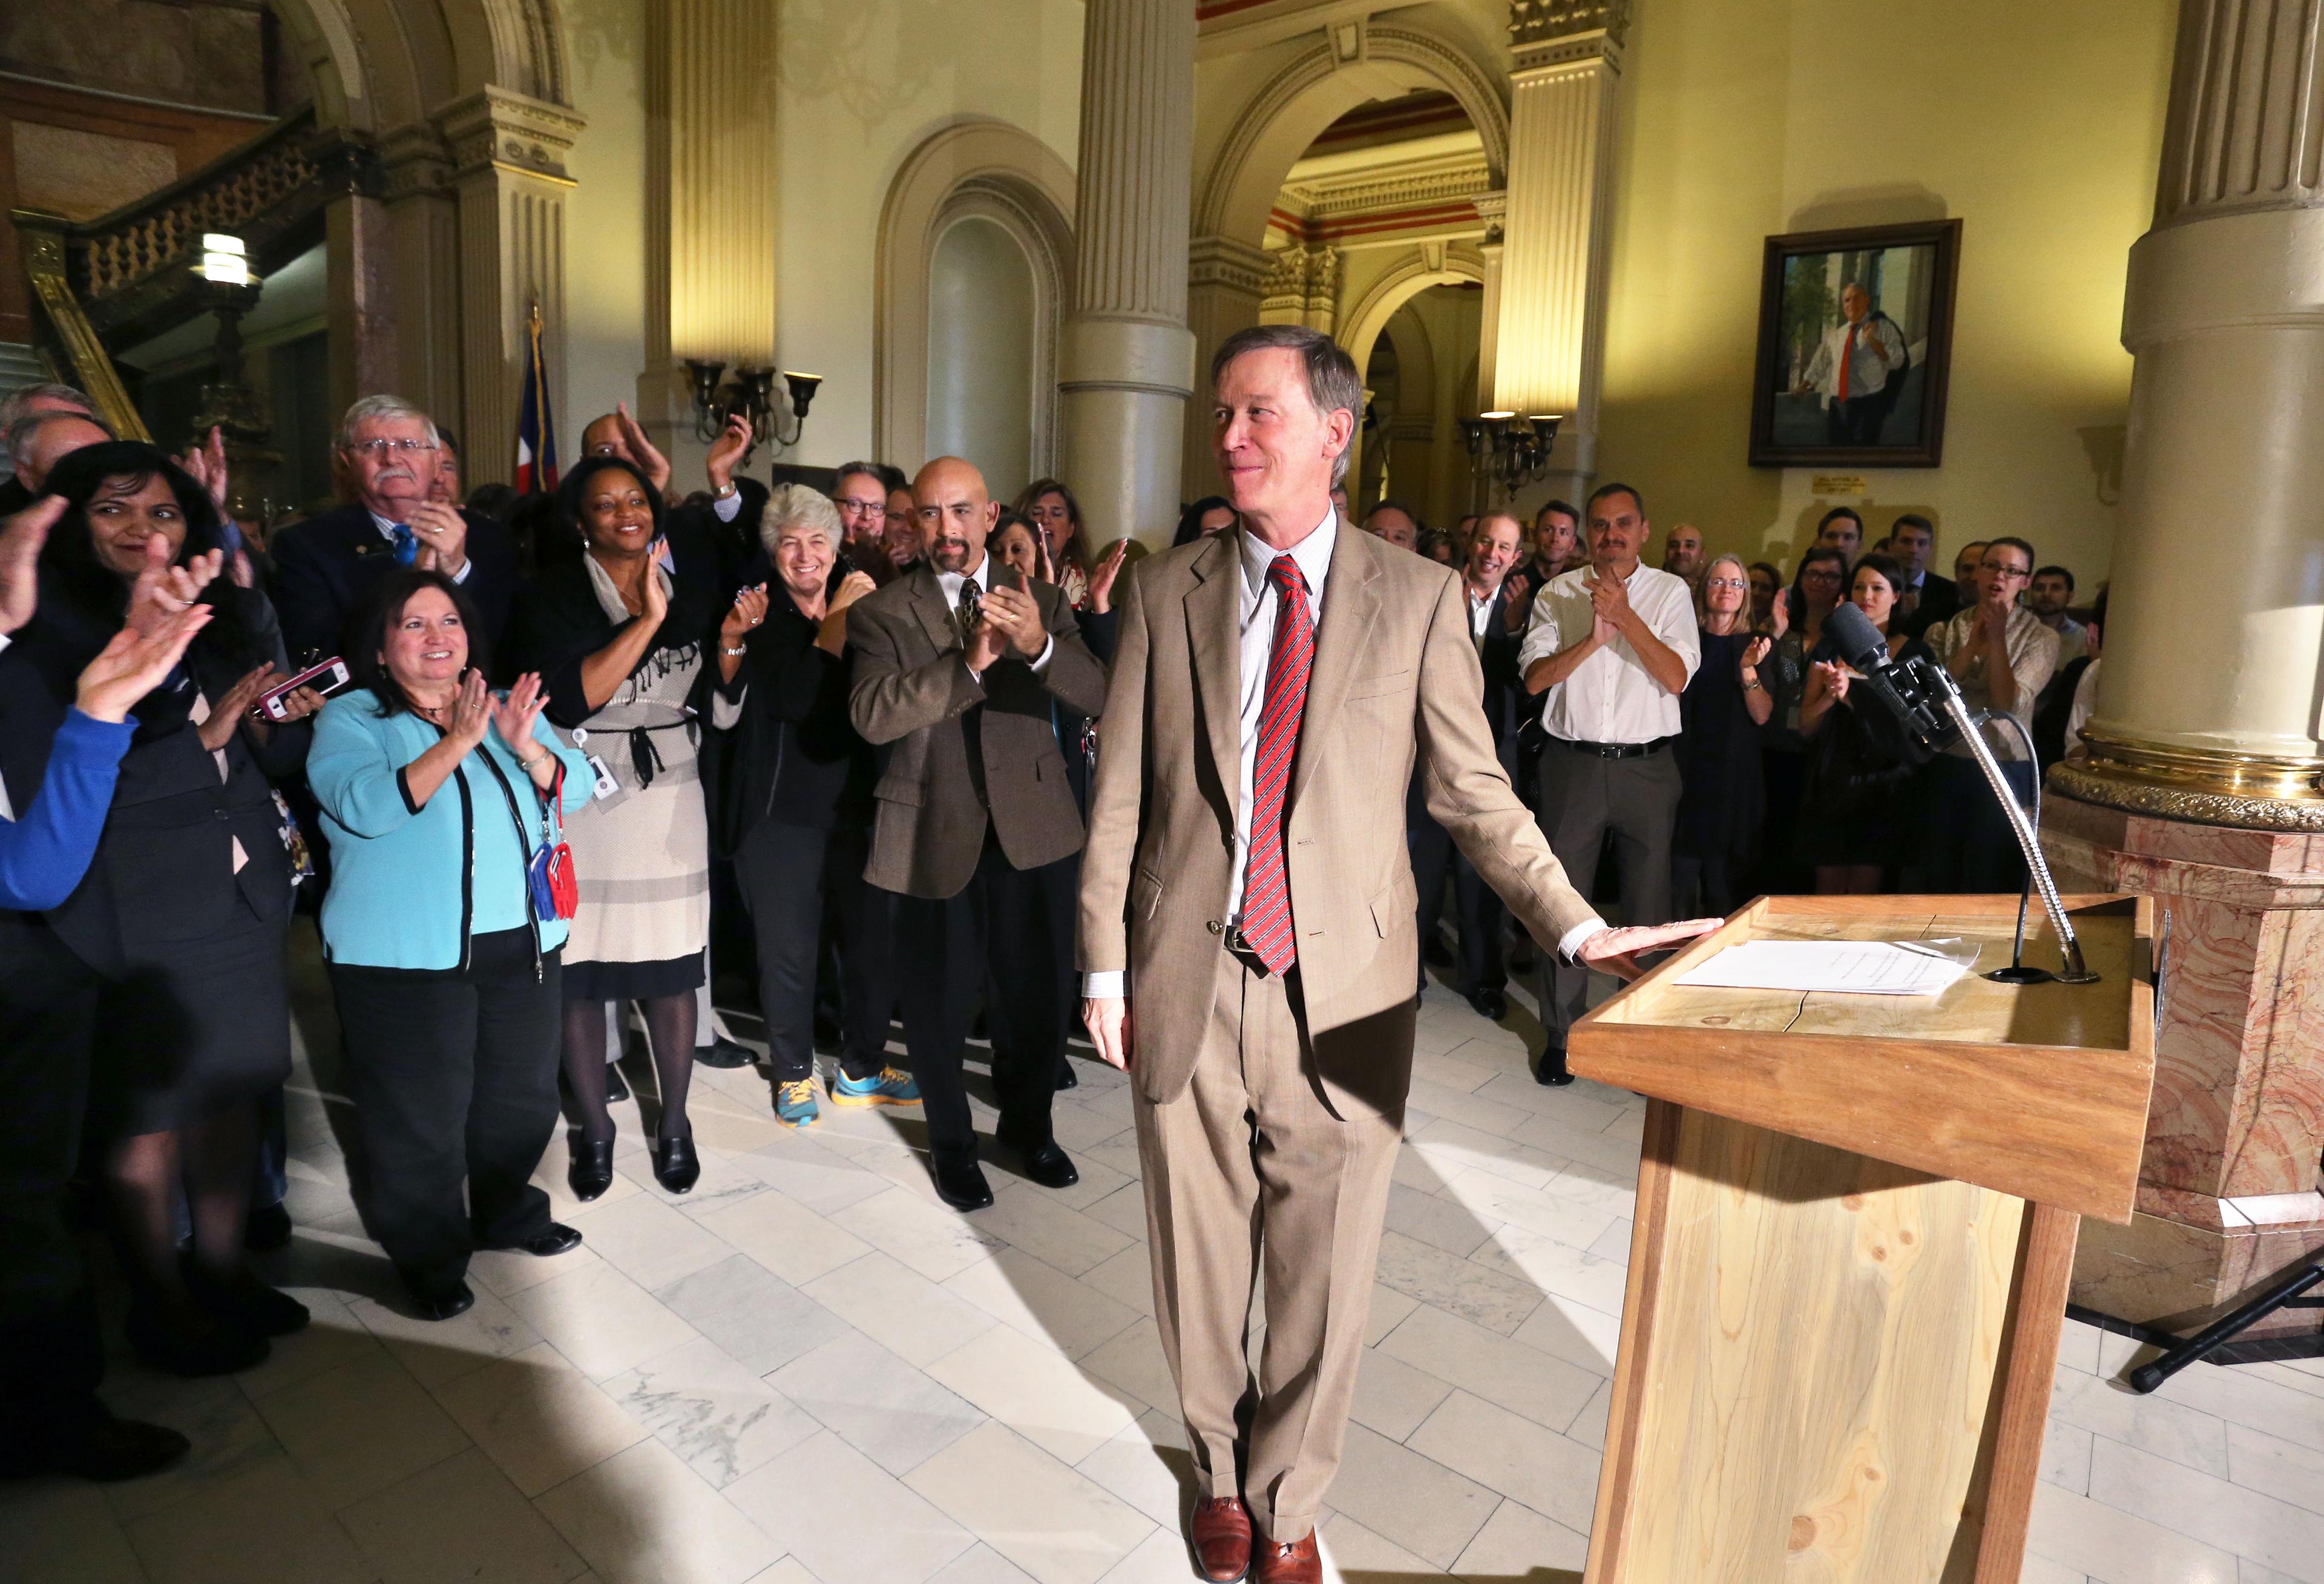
1267 888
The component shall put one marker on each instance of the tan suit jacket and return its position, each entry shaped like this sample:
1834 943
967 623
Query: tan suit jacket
1395 682
909 692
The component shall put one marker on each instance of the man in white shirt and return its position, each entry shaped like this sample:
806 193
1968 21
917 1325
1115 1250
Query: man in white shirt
1851 367
1612 646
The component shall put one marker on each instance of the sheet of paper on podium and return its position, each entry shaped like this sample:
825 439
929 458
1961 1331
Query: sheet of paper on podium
1870 968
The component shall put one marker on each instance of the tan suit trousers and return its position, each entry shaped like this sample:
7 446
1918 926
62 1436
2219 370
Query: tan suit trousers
1251 1143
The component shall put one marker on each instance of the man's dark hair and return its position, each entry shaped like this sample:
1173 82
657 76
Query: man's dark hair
894 477
1914 520
1835 514
1333 385
1392 504
869 470
493 501
366 632
2015 543
2055 572
1603 491
449 441
1562 508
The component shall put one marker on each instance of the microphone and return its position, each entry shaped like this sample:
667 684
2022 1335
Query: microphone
1915 698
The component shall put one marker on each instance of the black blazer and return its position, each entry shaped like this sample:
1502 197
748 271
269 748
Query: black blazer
1508 704
325 566
1940 602
794 757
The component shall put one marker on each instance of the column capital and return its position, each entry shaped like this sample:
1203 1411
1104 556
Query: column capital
413 159
497 129
1562 32
1493 209
1225 261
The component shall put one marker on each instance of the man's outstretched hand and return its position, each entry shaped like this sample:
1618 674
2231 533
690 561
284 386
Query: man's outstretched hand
1617 950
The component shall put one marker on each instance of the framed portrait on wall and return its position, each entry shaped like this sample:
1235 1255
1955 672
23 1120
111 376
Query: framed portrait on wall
1856 334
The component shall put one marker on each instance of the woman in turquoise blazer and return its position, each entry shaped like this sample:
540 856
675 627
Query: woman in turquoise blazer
437 795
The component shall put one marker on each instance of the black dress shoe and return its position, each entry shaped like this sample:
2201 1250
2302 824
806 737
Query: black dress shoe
191 1341
1066 1077
100 1448
443 1303
724 1053
243 1300
1049 1166
962 1184
1552 1072
590 1171
267 1230
553 1239
676 1165
1488 1003
616 1088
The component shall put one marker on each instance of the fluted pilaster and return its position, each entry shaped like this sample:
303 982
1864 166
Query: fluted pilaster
1226 283
1550 323
1126 370
720 178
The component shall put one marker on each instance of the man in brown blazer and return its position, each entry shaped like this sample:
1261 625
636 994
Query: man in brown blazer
956 662
1274 688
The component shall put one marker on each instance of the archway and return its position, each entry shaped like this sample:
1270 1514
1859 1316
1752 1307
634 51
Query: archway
1363 324
997 174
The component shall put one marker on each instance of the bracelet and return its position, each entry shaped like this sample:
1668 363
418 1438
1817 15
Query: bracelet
737 652
527 764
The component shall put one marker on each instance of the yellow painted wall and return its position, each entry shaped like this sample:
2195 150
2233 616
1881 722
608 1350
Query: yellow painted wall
2038 125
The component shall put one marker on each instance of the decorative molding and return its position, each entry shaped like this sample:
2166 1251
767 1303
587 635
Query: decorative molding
1223 263
2088 783
508 132
1390 187
2240 131
1539 22
1347 41
414 159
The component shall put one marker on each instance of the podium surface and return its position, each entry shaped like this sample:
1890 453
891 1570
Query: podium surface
1855 1225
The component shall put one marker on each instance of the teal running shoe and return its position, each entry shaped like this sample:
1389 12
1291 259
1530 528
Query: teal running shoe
890 1087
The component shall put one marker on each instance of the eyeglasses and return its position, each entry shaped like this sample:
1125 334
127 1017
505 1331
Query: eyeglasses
1726 583
375 449
868 508
2005 571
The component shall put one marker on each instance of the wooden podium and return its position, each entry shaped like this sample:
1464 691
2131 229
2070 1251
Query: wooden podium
1855 1223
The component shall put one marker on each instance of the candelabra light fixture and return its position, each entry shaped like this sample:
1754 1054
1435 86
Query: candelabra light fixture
750 395
1507 451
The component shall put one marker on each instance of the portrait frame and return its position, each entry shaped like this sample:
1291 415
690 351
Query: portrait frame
1910 273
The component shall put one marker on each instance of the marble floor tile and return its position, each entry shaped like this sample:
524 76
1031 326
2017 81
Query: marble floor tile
847 1520
2119 1547
642 1516
1548 1391
980 1564
335 1335
1506 1452
1043 1302
1353 1554
803 1171
2153 1425
1147 1466
1123 1210
63 1529
898 1308
1408 1498
1517 1542
267 1512
1440 1223
1392 1397
1128 1278
2271 1533
216 1416
437 1351
891 1412
785 1236
649 1239
1036 1222
538 1418
934 1240
1037 1392
360 1427
1556 1268
711 1411
1133 1362
754 1314
2281 1468
1496 1300
1575 1332
1055 1524
1387 1310
601 1319
2066 1457
457 1522
1161 1558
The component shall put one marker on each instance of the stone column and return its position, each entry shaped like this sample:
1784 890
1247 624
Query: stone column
1226 281
415 249
1556 230
711 217
2202 785
1127 365
508 163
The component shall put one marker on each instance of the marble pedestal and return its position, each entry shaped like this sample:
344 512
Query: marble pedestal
2228 1186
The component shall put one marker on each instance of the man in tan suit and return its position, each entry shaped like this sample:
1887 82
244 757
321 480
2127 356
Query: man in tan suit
1273 689
956 662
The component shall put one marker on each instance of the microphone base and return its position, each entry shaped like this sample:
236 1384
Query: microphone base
2021 974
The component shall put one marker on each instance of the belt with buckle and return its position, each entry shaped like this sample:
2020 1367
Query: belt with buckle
1618 750
1239 948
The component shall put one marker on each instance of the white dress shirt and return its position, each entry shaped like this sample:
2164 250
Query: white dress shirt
387 527
1880 351
1480 612
1610 697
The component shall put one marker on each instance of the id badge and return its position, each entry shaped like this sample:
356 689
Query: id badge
606 784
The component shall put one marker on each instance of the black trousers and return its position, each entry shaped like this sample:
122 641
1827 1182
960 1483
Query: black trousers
1477 909
1968 845
1001 929
51 1355
454 1077
789 875
1583 800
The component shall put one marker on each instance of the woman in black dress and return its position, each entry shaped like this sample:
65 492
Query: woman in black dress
1820 583
184 909
1857 804
1722 806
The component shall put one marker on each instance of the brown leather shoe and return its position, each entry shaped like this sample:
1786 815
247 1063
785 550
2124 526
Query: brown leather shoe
1292 1561
1221 1534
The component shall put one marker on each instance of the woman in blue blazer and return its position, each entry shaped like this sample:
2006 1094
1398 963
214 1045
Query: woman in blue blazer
436 797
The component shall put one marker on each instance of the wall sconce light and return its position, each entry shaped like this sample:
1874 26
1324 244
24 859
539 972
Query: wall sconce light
224 259
1507 451
748 395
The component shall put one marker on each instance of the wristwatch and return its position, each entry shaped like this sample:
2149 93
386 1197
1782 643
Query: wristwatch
726 490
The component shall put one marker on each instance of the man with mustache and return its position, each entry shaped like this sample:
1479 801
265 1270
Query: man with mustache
959 664
388 458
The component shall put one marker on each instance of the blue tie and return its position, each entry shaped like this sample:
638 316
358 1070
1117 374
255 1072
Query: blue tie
407 544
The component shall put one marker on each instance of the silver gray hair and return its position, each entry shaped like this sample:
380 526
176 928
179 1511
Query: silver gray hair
796 505
13 404
1333 385
21 432
379 409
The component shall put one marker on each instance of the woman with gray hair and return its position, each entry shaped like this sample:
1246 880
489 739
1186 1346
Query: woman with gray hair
796 811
